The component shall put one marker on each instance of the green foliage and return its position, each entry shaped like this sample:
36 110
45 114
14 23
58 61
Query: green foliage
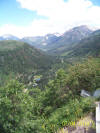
15 108
10 45
56 92
74 110
23 60
45 111
84 76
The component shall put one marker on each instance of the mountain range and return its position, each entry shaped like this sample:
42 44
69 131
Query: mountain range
69 39
45 54
76 41
54 42
89 46
42 42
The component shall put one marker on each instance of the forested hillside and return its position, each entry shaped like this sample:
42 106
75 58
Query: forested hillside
89 46
41 93
46 111
20 58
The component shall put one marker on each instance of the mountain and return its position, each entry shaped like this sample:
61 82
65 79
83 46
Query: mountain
34 41
42 42
19 57
55 44
69 39
89 46
8 37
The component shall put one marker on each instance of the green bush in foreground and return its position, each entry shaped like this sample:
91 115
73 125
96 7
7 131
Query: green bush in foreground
72 112
15 108
45 111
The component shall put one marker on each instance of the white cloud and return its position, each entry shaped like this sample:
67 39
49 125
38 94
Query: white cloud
61 16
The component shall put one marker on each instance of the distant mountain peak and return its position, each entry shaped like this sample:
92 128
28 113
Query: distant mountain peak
57 34
8 37
81 28
69 39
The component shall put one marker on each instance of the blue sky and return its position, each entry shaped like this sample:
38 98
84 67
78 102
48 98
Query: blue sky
12 13
96 2
44 16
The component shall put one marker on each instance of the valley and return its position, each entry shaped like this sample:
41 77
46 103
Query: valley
41 79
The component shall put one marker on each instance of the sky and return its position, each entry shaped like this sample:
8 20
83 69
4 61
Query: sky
39 17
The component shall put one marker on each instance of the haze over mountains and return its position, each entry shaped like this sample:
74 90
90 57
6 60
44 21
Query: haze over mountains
69 38
89 46
51 38
42 42
8 37
66 44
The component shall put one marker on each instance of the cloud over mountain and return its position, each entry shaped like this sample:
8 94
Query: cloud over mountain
60 16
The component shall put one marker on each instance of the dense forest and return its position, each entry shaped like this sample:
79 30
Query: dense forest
19 59
40 92
35 110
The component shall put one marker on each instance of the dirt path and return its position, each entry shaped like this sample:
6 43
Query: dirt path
85 125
